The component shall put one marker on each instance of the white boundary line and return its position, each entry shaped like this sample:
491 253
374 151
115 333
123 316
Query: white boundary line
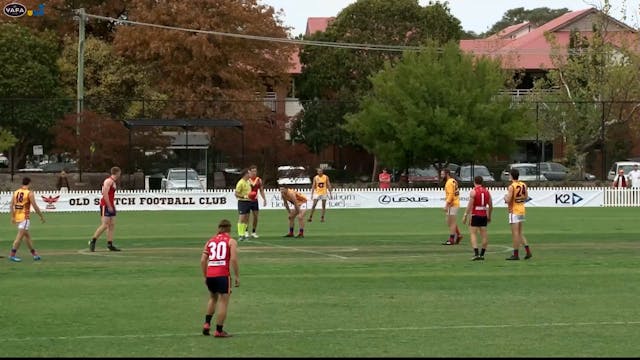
315 331
298 249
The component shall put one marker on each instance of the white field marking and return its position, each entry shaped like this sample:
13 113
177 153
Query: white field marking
336 330
298 249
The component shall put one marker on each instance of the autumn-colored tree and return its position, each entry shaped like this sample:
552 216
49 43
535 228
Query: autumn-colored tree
103 142
60 16
199 66
113 85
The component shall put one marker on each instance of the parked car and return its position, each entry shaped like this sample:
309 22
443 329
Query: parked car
528 172
466 173
626 165
554 171
293 176
181 179
428 174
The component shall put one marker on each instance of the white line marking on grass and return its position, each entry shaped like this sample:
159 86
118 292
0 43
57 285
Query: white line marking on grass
336 330
298 249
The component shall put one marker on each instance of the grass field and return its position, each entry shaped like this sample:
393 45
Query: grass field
365 283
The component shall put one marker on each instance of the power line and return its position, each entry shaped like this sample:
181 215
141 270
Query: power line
357 46
486 50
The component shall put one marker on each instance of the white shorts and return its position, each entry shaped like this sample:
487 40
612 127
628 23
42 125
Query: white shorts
24 224
453 211
514 219
321 197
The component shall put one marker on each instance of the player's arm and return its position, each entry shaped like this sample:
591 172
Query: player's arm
313 185
105 192
286 203
13 209
238 190
509 195
489 206
204 259
233 260
470 205
32 199
448 190
264 197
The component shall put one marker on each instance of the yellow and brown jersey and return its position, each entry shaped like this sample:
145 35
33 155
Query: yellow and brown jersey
22 204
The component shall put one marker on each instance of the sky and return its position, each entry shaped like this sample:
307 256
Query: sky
475 15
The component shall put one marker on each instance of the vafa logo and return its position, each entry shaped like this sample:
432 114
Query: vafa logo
16 10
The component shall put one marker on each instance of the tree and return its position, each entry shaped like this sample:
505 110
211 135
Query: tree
333 79
113 85
537 17
435 106
28 74
598 78
230 72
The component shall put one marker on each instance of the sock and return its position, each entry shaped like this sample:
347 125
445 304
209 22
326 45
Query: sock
207 319
253 230
110 243
482 251
457 231
475 251
301 231
33 252
526 248
242 228
94 239
13 252
515 252
290 230
451 238
219 328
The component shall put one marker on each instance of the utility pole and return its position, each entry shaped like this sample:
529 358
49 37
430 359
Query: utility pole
82 18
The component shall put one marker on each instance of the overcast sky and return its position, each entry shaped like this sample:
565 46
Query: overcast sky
476 15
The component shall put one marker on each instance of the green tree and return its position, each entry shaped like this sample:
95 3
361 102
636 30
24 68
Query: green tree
435 106
333 79
598 90
537 17
28 74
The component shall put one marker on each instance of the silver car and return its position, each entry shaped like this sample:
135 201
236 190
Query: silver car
181 179
528 172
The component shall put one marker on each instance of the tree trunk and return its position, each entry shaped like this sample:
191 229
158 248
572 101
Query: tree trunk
375 168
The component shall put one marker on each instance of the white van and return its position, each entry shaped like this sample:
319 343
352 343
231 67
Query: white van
293 175
626 165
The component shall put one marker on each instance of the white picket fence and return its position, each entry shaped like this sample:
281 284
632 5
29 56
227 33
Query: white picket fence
621 197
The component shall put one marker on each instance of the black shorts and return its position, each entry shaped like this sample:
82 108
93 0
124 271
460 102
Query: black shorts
478 221
244 207
254 206
219 284
104 211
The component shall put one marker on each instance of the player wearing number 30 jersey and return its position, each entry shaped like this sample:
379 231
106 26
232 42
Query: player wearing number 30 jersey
219 256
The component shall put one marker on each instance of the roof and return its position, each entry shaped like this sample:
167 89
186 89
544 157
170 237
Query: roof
531 50
315 24
506 32
183 123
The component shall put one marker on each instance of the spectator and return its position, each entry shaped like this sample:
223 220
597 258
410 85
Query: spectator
385 179
621 180
634 177
63 182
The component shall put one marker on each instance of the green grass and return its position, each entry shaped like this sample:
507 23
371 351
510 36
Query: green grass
365 283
